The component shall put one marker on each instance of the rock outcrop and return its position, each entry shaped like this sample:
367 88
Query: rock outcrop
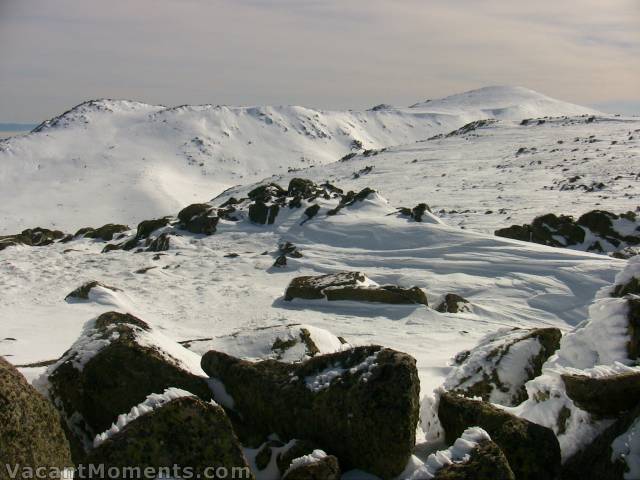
354 286
184 433
453 303
531 450
360 405
607 396
31 434
33 237
82 292
112 367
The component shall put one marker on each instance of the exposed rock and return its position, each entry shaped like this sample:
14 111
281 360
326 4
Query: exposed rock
185 432
311 211
453 303
31 434
486 461
565 231
416 213
159 244
281 261
199 218
596 461
325 468
531 450
262 214
82 292
366 397
630 287
105 232
497 369
112 367
143 232
353 286
350 198
34 237
299 449
604 396
147 227
633 328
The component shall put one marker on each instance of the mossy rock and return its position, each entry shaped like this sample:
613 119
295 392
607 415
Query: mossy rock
299 449
31 434
34 237
631 287
452 303
82 292
595 460
327 468
486 462
147 227
604 396
488 381
263 214
119 376
367 424
198 218
185 432
105 232
532 450
351 286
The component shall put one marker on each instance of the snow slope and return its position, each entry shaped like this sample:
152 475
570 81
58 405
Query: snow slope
120 161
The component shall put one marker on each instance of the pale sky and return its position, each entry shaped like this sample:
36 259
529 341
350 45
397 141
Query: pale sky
331 54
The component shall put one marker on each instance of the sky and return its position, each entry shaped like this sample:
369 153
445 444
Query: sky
328 54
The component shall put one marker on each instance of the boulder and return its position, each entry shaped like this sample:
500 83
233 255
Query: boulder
453 303
631 287
350 198
316 466
105 232
354 286
633 328
598 460
604 396
184 432
263 214
545 230
360 405
300 448
532 450
416 213
82 292
486 461
31 434
498 368
113 366
199 218
301 187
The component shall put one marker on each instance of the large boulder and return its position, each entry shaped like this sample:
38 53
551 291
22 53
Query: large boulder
199 218
503 362
604 396
354 286
360 405
605 456
473 456
531 449
31 434
315 466
183 432
114 365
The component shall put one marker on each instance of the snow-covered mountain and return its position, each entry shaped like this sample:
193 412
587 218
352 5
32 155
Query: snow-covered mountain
121 161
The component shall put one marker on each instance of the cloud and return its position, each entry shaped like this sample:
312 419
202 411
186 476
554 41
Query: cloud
322 53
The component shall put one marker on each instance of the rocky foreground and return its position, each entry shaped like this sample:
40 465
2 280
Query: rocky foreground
524 403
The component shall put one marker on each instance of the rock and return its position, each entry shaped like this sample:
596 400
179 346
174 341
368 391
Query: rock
531 450
143 232
604 396
626 253
265 193
367 397
31 434
159 244
198 218
311 212
301 187
185 432
147 227
498 368
281 261
324 468
105 232
34 237
633 329
453 303
416 213
597 461
353 286
299 449
264 455
112 367
630 287
350 198
82 292
486 461
545 230
262 214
